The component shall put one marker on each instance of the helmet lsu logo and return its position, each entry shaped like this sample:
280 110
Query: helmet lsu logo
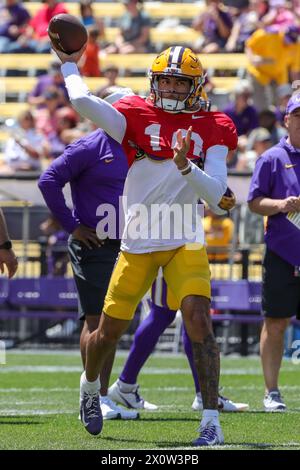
178 62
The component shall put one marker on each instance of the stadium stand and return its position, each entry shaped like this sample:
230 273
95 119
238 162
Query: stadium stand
21 86
133 62
156 10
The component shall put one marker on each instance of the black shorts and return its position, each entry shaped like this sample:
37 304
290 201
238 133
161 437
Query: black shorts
280 288
92 271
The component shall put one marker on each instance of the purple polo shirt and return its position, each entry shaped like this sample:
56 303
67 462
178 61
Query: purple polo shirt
12 15
46 81
277 176
245 121
96 168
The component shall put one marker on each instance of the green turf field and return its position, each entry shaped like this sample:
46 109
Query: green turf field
39 406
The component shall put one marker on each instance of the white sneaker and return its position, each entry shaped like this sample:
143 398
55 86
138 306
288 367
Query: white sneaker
273 402
224 404
110 410
210 434
107 408
130 399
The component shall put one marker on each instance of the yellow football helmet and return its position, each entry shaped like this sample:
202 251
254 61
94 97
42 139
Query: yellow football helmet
177 61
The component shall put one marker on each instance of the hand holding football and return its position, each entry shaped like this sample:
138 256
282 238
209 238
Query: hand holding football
67 33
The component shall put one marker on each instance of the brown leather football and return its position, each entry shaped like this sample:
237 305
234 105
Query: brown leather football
67 33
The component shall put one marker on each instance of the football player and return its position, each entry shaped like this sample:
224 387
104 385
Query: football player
163 309
167 137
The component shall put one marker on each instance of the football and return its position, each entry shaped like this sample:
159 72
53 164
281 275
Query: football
67 33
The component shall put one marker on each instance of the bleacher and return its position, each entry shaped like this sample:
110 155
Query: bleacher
113 10
33 297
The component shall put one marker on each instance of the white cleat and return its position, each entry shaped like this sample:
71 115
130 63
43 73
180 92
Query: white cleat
273 402
130 399
110 410
224 404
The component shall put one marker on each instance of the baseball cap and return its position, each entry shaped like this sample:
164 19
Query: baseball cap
284 90
260 134
293 103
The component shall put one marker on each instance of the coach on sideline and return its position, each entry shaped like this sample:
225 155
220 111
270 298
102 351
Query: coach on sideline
96 168
275 193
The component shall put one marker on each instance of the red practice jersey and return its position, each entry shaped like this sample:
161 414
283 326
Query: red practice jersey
153 131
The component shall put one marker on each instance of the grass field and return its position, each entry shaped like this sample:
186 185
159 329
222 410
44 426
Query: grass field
39 406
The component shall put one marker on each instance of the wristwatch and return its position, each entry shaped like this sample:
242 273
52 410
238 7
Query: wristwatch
6 245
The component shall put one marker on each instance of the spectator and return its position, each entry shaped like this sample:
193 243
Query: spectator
274 192
25 148
53 78
90 59
267 119
241 111
111 74
35 37
13 20
258 142
215 25
46 116
65 132
134 36
271 56
244 25
218 234
280 16
284 92
88 17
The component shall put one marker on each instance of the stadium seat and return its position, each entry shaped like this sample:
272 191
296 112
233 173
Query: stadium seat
156 10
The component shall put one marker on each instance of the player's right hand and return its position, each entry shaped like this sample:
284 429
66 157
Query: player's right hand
87 236
290 204
74 57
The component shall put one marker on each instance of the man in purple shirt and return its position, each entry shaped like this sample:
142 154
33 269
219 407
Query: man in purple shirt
53 78
96 168
241 111
275 193
13 19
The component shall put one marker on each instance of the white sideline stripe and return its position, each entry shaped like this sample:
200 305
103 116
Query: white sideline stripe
15 412
147 370
38 390
257 445
144 389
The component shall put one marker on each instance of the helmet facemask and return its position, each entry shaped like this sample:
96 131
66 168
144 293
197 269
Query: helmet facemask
175 105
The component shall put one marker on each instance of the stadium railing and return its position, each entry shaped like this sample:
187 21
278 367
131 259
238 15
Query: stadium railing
20 87
132 62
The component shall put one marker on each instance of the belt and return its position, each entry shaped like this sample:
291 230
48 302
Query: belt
111 241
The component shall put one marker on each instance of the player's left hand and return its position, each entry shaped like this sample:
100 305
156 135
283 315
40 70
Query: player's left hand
74 57
228 200
181 148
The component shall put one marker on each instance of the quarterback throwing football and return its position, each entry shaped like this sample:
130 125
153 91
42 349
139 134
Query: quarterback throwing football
177 155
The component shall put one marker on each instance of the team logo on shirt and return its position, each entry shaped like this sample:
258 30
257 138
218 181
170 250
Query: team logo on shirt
290 165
